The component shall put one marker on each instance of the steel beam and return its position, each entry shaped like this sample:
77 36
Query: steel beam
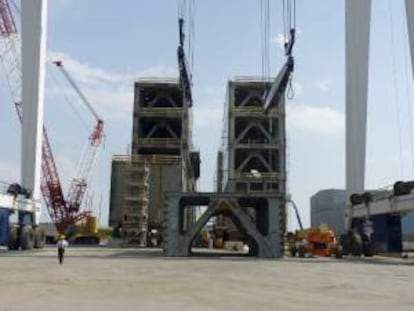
391 205
266 231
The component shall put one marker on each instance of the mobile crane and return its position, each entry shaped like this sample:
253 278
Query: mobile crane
25 233
63 212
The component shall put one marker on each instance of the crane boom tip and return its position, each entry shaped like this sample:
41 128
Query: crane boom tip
58 63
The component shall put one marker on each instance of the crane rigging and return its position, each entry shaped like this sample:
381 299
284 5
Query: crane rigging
185 75
63 212
278 89
299 220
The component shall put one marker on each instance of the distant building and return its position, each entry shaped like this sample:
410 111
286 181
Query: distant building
328 207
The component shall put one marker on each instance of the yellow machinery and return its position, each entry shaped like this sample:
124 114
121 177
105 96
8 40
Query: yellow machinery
319 241
314 241
88 233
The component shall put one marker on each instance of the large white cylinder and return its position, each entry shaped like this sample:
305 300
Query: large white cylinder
358 17
34 28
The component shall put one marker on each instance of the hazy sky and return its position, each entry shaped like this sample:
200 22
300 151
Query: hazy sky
107 44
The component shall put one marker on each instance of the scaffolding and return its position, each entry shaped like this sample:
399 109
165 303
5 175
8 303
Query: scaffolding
135 204
162 142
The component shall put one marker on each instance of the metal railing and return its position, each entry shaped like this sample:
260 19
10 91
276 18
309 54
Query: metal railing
157 80
157 141
260 142
253 79
158 110
263 175
248 109
151 159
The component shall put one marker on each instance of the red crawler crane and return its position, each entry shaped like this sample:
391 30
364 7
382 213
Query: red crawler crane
79 184
62 212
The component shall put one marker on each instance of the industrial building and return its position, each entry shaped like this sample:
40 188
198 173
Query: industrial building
328 207
161 142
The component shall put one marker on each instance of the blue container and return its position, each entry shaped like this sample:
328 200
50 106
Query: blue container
407 223
25 219
4 226
387 236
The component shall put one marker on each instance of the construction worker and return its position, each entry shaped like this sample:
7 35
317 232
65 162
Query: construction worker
61 245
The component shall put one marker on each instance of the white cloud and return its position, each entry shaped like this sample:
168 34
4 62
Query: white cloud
119 101
157 71
207 116
297 88
321 120
324 85
209 108
109 104
279 39
111 93
85 73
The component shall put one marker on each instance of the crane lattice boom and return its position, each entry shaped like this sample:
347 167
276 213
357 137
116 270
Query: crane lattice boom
78 186
7 25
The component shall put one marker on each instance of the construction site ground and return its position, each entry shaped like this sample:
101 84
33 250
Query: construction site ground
102 278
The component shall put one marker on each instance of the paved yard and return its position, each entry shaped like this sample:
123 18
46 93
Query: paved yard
130 279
